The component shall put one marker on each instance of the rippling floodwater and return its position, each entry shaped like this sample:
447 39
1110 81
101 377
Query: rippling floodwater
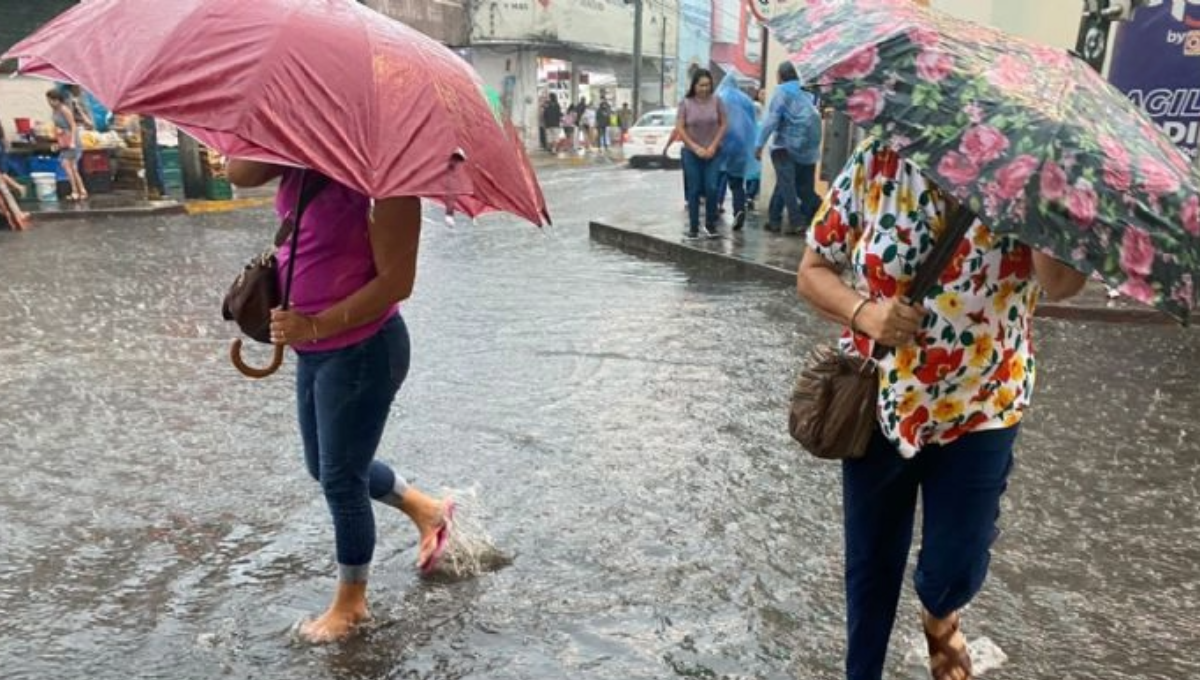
622 422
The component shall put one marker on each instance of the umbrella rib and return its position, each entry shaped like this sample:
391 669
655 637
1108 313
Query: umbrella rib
267 57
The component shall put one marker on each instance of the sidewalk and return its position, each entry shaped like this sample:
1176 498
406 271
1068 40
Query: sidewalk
129 203
754 253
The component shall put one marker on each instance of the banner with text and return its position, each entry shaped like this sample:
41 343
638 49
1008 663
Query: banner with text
1156 63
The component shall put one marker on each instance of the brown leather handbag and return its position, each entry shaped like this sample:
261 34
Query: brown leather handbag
255 292
833 409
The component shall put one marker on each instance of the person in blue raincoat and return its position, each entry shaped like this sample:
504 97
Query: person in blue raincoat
737 148
795 123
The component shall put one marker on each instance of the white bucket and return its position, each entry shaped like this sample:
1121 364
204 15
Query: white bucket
45 185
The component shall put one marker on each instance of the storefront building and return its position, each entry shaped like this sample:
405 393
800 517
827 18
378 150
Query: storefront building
529 49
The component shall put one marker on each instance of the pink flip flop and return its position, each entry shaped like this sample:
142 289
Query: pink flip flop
443 538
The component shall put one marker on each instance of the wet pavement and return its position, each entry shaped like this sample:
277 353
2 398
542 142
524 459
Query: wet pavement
622 421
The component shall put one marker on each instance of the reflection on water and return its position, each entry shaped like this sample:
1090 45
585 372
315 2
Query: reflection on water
623 424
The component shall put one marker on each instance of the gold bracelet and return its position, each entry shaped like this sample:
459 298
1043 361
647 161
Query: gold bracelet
854 315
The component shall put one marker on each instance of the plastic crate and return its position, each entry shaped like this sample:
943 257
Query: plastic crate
170 157
216 189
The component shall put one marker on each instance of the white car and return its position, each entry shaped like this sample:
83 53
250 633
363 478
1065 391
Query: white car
646 139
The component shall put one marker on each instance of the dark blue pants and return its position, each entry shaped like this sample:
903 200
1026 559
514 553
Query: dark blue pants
795 191
700 177
960 486
343 398
737 187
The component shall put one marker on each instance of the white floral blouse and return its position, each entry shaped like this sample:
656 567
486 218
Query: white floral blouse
971 366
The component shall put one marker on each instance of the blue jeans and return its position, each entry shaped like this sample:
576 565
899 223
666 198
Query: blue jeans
960 486
343 398
700 175
795 191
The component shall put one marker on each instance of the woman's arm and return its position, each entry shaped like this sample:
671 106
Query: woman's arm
395 236
889 321
681 132
774 117
722 126
1060 281
244 173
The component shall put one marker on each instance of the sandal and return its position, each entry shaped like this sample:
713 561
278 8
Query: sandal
948 655
440 539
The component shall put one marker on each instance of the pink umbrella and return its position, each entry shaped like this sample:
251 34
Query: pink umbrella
325 84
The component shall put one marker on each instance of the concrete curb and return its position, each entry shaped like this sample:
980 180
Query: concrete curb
722 264
171 208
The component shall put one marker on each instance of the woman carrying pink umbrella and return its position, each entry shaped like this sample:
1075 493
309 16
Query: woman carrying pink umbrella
375 110
355 264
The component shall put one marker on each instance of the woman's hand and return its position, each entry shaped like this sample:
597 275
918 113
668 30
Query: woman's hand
890 322
291 328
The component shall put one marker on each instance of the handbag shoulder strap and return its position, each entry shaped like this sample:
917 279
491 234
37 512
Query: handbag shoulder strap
960 218
309 188
308 191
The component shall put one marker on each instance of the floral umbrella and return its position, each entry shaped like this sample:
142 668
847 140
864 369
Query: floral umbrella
1029 137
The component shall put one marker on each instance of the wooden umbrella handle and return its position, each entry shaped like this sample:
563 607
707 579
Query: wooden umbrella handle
235 355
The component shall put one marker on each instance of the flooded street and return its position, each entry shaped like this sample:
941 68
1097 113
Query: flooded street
622 424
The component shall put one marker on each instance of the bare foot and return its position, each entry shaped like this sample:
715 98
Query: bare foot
348 610
332 626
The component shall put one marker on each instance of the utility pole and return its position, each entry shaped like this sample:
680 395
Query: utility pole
637 56
662 64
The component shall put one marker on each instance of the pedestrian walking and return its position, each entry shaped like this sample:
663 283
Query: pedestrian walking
952 394
737 147
794 122
67 134
355 264
553 119
701 124
604 115
588 125
625 116
754 170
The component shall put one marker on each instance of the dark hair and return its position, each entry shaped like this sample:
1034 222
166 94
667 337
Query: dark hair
697 75
55 95
787 72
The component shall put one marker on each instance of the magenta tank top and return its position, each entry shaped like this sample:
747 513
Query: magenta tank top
333 255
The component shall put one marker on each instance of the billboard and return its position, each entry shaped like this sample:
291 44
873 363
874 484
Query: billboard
596 25
1156 63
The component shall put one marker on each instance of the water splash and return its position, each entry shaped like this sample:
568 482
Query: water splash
470 549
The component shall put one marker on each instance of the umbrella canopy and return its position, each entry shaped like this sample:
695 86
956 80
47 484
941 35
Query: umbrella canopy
1029 137
324 84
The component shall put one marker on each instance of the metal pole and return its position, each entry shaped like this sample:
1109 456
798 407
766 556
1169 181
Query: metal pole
766 38
637 58
662 65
